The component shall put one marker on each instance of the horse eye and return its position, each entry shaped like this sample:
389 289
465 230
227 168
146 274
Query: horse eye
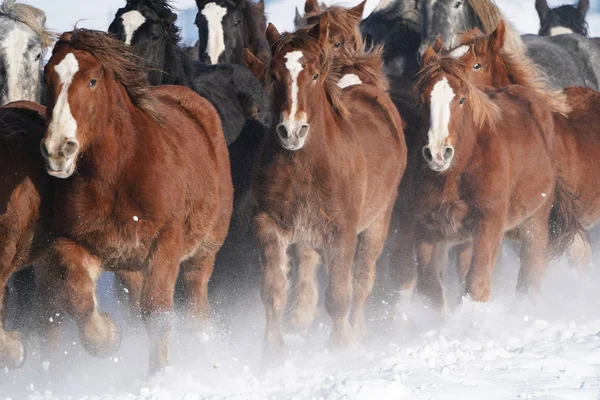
273 77
457 4
37 58
462 101
236 23
338 44
93 83
477 67
315 77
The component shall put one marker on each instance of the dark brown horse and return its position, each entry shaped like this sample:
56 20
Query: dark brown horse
326 180
24 206
577 136
146 186
489 170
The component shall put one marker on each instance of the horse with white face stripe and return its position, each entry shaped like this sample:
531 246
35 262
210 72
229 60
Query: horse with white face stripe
325 182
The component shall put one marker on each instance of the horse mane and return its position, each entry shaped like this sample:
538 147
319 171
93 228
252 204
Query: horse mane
490 16
485 111
32 17
165 13
257 25
521 71
117 58
339 18
303 41
369 62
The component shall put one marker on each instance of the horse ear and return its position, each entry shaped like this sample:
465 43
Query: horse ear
497 37
297 18
429 56
253 63
261 6
272 34
321 30
357 11
311 6
541 6
583 6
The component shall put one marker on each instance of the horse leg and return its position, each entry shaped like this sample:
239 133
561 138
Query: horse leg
403 272
368 249
157 297
73 275
273 246
12 352
432 257
48 310
338 255
196 274
580 253
487 240
307 294
129 287
465 255
534 236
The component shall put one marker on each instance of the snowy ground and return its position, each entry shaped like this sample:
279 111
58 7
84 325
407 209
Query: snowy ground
506 349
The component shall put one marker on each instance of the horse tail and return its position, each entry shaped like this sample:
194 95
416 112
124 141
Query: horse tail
564 225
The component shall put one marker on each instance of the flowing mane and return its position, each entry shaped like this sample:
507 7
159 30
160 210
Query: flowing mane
330 70
32 17
485 111
118 58
339 19
490 15
165 15
368 62
521 70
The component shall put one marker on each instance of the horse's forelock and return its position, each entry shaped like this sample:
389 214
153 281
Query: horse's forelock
32 17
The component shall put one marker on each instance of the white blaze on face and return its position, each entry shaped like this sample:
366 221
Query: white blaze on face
132 20
63 125
441 97
349 80
560 30
14 47
294 67
215 44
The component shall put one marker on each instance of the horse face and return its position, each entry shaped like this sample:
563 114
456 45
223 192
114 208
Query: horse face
295 75
20 62
74 81
221 32
445 19
445 99
562 20
480 67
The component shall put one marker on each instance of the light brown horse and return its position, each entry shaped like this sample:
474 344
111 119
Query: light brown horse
577 135
25 192
325 180
489 170
145 185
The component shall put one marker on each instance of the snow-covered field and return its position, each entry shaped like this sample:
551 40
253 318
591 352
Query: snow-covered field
508 349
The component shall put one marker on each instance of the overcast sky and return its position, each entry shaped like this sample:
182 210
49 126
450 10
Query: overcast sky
97 14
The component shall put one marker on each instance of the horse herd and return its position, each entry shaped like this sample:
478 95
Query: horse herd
378 146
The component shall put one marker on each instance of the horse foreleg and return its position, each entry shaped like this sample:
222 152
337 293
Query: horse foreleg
129 287
307 293
534 236
12 352
580 253
273 248
487 240
403 271
465 255
196 274
432 257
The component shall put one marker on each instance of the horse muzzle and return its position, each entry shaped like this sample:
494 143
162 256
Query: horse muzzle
439 159
292 136
60 159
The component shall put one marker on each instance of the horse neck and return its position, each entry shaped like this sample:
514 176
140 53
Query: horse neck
500 74
177 66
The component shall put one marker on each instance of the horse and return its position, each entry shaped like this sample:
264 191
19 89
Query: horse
488 171
25 198
24 40
576 112
226 28
326 179
567 60
396 24
144 186
564 19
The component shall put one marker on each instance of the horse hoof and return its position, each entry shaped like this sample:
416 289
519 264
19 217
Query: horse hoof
13 355
342 336
105 341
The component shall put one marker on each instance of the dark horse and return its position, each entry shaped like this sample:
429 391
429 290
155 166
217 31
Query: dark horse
227 27
564 19
237 95
567 60
145 187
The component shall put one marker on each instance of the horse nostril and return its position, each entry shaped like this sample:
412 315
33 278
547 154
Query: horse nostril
448 153
427 154
70 147
303 131
44 150
282 131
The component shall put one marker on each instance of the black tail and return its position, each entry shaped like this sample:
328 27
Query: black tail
563 223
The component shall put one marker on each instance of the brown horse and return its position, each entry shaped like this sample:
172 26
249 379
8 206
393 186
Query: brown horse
326 180
146 185
577 137
489 171
24 205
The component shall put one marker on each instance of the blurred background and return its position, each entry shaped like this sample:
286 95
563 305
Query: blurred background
64 14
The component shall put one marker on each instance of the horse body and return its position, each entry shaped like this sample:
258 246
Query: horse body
152 188
24 207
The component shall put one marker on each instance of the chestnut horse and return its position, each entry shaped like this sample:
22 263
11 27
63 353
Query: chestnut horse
577 137
489 171
145 185
326 180
25 192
